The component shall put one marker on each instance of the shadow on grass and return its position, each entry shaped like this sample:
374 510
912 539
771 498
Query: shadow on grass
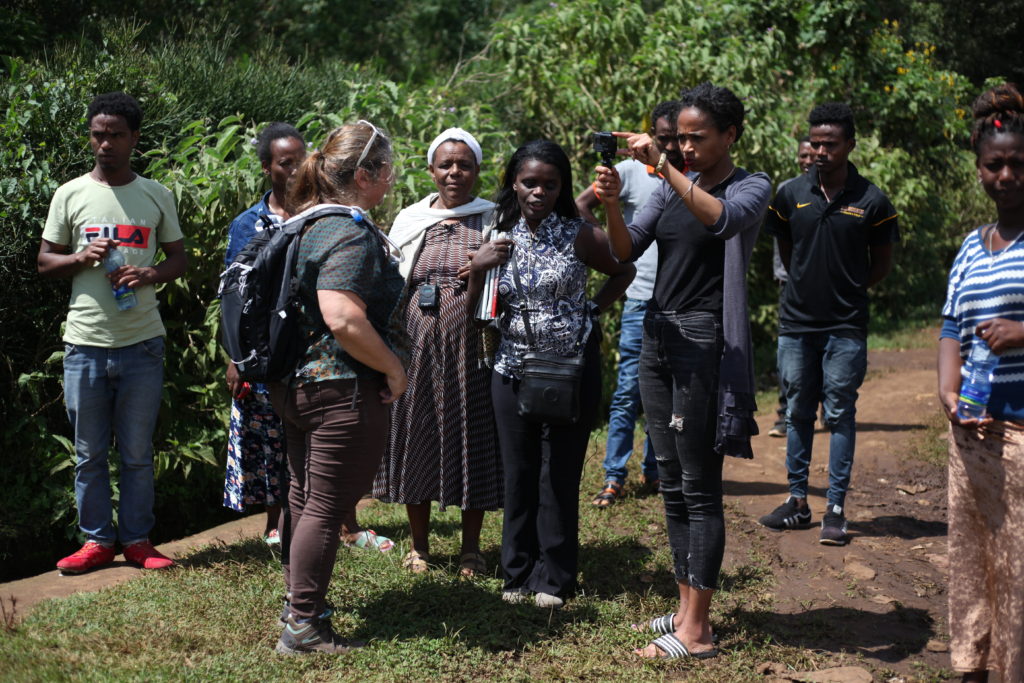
250 550
612 567
889 637
435 610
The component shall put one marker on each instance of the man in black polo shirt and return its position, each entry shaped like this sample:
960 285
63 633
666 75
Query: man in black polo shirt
836 233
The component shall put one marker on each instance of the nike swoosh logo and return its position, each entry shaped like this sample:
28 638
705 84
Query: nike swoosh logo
800 206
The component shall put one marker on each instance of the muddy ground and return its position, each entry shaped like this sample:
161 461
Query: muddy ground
883 596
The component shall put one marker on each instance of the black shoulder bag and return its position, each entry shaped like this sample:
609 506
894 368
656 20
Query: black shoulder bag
549 390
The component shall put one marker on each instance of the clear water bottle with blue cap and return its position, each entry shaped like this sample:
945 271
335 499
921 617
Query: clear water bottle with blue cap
123 295
976 387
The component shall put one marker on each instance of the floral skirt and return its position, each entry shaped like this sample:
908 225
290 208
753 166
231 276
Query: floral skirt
256 454
986 549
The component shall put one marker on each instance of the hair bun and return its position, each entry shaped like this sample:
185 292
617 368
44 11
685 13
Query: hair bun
1002 99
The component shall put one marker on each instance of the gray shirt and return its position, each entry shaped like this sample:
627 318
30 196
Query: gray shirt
638 182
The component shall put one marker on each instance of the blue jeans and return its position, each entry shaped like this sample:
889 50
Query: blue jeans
626 399
679 385
114 391
828 367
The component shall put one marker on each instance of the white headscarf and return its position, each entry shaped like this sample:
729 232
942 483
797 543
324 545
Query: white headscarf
458 135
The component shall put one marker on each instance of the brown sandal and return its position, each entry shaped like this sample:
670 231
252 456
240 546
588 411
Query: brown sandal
611 493
472 564
416 562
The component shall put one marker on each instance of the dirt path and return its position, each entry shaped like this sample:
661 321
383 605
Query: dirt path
884 595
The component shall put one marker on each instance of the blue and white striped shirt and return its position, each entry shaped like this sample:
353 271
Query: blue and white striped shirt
984 286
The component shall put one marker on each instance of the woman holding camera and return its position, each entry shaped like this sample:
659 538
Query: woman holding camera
443 445
986 454
544 253
335 408
696 371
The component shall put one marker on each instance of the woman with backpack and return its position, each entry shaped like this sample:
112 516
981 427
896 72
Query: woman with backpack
336 406
256 471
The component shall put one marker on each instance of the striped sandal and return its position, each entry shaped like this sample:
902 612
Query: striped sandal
666 624
673 648
611 493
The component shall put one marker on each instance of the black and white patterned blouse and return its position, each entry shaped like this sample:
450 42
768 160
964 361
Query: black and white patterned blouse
554 281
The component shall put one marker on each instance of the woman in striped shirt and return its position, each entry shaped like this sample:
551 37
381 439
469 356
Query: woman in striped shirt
985 300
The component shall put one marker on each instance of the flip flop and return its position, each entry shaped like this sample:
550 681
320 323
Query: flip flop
666 624
368 538
674 649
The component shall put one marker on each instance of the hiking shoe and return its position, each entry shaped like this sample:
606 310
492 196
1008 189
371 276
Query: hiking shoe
548 600
787 516
146 556
833 527
286 610
89 556
316 635
778 429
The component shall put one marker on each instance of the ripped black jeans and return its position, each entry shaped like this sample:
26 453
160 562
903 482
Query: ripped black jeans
679 389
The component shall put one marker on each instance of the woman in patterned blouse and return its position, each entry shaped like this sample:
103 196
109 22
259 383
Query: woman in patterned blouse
552 248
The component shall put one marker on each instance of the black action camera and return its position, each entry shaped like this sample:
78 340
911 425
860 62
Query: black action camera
429 296
606 145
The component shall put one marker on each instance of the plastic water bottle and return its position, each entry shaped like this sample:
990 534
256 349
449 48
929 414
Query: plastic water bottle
123 295
976 388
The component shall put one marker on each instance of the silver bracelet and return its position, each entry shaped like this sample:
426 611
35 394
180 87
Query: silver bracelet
689 189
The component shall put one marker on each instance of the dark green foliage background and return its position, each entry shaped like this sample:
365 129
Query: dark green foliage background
506 71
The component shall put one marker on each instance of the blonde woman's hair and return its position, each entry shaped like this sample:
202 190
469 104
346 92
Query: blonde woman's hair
327 176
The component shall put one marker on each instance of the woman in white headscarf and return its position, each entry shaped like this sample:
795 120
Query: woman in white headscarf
443 445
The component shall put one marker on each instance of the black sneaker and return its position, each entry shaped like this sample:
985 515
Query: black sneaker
778 429
787 516
833 527
312 636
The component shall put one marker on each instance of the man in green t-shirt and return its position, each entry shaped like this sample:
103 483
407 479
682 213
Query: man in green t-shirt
113 356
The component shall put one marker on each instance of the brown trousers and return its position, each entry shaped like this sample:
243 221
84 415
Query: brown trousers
336 432
986 549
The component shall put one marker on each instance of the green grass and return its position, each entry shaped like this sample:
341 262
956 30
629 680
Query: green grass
901 335
214 617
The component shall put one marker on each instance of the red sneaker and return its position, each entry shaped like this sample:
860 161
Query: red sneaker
89 556
146 556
